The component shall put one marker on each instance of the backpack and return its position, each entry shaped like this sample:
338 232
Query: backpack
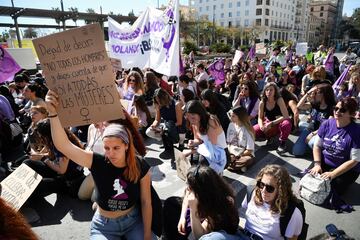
285 219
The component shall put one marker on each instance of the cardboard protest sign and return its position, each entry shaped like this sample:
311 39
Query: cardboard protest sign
151 42
238 55
8 66
260 48
301 48
19 185
76 66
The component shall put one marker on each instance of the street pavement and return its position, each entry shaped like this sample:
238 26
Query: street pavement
62 217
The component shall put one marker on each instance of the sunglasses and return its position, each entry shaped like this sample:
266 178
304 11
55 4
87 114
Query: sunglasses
341 110
132 80
268 188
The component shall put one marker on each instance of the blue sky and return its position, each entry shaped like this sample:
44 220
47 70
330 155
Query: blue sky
116 6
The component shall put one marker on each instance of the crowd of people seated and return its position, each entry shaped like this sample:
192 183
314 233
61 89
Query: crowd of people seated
216 126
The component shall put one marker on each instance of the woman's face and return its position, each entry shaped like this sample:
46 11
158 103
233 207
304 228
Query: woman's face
36 116
115 150
131 81
270 92
244 90
318 96
270 181
234 118
206 103
341 113
193 118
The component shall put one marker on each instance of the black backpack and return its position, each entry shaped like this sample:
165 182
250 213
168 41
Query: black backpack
285 219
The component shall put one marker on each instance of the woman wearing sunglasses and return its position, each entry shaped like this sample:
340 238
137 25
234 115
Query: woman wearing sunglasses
269 200
133 85
337 147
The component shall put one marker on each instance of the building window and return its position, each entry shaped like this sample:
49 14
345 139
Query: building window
222 15
238 4
259 2
230 4
200 9
230 14
246 12
280 14
238 23
200 1
311 9
246 22
214 7
266 22
207 8
258 11
267 12
258 22
247 3
271 33
268 2
238 13
222 6
222 24
230 24
322 8
321 14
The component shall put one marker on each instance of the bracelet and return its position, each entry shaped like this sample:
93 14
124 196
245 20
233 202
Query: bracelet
52 116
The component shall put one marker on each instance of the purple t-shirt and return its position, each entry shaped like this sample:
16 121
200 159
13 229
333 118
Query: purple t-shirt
340 144
6 111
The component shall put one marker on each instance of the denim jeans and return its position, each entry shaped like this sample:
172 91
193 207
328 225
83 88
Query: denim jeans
300 147
130 226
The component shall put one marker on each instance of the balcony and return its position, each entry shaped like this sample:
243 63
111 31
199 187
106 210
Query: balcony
280 27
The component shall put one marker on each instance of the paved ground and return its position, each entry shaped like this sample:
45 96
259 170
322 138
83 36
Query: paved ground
66 218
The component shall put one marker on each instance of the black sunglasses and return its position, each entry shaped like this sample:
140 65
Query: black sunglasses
268 188
342 110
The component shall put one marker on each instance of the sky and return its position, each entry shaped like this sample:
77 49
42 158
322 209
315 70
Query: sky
116 6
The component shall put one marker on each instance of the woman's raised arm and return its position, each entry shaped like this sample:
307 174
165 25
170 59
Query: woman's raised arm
59 137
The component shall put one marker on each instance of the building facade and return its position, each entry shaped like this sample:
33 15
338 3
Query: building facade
315 31
301 20
271 19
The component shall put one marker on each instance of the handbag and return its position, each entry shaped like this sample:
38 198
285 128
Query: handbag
314 189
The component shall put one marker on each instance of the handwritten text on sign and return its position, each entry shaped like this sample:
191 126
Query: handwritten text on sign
77 67
18 186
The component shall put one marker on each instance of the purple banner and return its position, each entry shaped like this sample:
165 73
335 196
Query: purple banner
342 77
216 70
252 53
8 66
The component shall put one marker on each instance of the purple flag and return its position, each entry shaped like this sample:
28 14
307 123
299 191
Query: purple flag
341 79
8 66
216 70
252 53
329 63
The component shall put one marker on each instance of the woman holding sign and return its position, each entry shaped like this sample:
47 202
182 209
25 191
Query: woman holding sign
122 180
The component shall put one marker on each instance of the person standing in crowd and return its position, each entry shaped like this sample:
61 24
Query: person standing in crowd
121 179
320 55
208 208
322 101
240 138
268 202
168 123
273 116
337 147
247 96
133 85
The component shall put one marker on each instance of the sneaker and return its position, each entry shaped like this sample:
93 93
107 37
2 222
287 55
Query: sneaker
282 147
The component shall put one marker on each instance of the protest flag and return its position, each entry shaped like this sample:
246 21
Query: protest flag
341 79
216 70
252 53
8 66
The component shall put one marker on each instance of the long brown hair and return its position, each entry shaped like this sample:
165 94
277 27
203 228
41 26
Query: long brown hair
283 185
139 83
132 171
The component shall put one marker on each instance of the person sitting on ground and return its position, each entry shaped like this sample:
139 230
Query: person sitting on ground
35 147
318 76
269 201
247 95
31 93
208 208
150 85
122 180
133 85
291 104
273 116
202 74
184 83
141 112
337 147
60 175
206 129
240 138
168 120
210 101
321 104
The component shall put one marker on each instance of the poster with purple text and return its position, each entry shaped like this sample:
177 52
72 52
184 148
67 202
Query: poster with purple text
151 42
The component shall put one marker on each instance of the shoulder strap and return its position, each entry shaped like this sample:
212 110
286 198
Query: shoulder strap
285 218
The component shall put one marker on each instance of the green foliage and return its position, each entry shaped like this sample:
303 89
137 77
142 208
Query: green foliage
189 46
220 48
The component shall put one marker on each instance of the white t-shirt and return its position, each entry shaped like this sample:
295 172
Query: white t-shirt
94 140
202 76
262 222
239 136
